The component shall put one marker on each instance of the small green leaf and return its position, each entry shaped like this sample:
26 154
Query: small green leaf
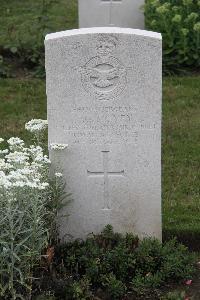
13 50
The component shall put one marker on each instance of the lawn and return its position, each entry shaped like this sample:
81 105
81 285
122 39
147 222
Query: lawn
20 101
24 99
181 159
20 20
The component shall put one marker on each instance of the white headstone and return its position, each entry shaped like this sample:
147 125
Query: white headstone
121 13
104 101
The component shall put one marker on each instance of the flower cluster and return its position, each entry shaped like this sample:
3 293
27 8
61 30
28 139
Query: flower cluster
36 125
55 146
23 167
177 18
197 27
163 9
58 175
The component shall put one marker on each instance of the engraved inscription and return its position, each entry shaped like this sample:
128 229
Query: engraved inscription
104 76
107 124
105 173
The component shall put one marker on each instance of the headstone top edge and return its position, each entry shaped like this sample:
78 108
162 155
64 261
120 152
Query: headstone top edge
111 30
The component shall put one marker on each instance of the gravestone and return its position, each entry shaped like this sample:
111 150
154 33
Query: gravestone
121 13
104 101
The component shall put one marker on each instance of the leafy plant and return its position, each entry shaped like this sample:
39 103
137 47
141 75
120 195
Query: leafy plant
25 213
176 295
142 284
4 69
179 23
57 199
79 290
118 264
158 264
114 287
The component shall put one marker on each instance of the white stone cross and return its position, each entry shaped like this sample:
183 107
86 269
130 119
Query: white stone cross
111 9
105 173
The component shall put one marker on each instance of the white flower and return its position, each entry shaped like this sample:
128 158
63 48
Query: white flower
26 171
55 146
42 159
4 165
58 174
35 150
23 169
5 151
31 184
16 175
43 186
1 140
4 182
20 184
36 125
15 144
17 157
15 141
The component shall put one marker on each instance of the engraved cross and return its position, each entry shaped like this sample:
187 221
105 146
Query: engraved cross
105 173
111 2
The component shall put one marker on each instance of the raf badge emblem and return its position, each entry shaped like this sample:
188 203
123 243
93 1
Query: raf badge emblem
104 76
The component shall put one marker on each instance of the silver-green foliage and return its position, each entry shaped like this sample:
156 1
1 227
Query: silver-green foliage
23 236
25 214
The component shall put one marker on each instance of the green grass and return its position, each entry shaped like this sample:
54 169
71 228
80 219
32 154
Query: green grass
19 19
22 100
181 159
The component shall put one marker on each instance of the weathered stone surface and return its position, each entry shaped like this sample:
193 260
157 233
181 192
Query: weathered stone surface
122 13
104 100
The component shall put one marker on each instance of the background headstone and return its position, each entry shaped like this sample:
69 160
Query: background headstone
120 13
104 100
